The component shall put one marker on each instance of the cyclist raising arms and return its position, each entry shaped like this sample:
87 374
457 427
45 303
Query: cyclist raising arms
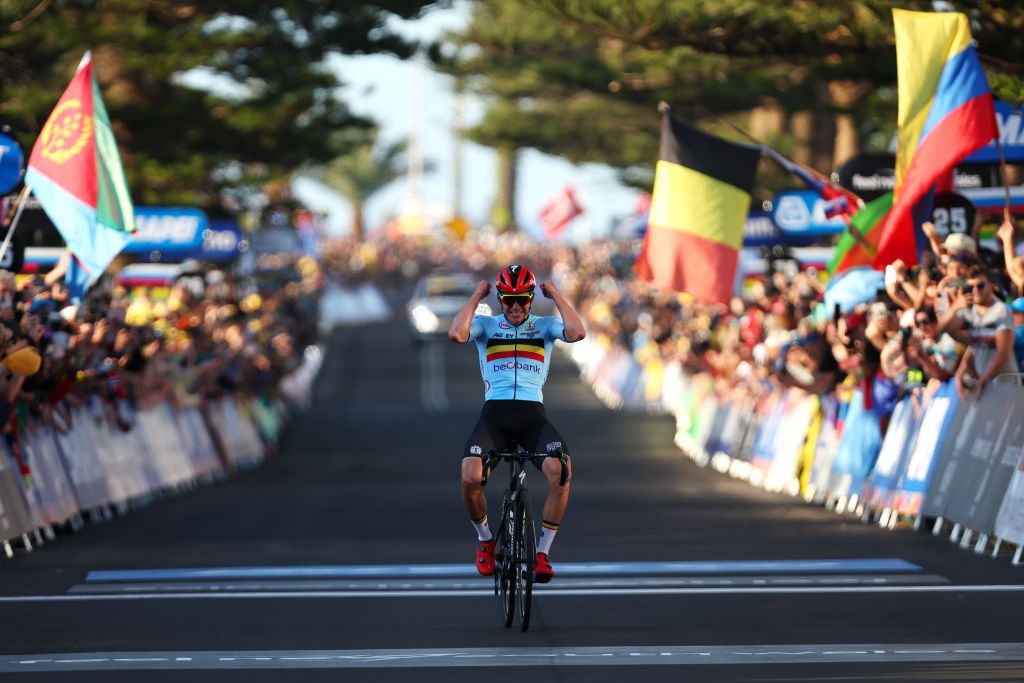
515 354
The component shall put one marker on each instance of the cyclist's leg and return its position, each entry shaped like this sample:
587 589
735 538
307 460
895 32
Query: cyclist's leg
488 433
558 496
543 437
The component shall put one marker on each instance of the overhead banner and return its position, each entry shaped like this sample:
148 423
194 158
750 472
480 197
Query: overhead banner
173 234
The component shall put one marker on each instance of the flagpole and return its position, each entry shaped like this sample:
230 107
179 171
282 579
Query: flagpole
22 198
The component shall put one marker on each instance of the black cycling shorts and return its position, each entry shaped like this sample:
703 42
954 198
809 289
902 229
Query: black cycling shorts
503 424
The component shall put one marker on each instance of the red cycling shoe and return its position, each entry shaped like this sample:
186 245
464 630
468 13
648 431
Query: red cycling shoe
485 558
542 571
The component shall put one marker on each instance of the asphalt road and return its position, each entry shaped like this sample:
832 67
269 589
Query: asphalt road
347 556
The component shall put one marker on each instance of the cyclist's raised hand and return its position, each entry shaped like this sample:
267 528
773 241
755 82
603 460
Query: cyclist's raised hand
548 288
483 288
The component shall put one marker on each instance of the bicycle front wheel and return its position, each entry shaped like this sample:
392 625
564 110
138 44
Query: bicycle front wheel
526 550
504 560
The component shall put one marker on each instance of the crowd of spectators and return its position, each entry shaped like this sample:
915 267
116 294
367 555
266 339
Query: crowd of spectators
957 315
205 338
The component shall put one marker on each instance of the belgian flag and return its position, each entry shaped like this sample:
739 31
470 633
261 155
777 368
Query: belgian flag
701 198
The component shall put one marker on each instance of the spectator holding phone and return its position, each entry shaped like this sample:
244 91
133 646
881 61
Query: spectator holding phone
986 324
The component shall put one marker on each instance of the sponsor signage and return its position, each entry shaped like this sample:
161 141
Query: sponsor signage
12 161
1011 136
802 213
173 234
871 175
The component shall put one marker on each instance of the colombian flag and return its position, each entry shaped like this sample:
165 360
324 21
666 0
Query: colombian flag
701 198
945 114
75 172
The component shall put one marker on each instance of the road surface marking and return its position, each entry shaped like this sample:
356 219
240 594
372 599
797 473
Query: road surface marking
545 591
465 569
525 656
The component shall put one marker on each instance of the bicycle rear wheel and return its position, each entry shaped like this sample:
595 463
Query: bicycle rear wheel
504 560
526 549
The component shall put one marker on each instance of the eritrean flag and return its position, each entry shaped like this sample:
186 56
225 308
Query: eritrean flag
701 198
75 172
859 244
945 114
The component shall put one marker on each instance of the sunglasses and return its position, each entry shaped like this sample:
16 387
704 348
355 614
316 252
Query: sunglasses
513 299
975 285
921 322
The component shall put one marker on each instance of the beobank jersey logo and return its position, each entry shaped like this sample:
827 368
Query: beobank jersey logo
66 133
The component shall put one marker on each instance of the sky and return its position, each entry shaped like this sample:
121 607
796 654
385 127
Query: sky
403 96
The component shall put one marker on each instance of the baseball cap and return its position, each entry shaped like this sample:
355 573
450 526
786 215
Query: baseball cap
1017 305
959 242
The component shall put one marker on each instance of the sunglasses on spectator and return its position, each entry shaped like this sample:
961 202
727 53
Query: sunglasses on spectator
513 299
921 322
980 286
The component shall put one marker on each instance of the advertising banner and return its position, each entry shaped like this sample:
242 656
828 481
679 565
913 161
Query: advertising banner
969 463
988 458
172 234
801 214
14 515
12 161
826 446
1011 135
881 485
201 450
789 440
82 464
924 451
1010 519
50 482
774 408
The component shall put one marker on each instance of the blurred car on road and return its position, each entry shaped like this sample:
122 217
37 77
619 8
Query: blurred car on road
435 301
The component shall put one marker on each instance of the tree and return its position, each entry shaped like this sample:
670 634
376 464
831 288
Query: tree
359 173
202 95
581 78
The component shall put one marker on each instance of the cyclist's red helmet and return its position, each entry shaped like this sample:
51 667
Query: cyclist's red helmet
516 280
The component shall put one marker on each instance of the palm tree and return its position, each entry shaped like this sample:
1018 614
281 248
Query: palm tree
361 172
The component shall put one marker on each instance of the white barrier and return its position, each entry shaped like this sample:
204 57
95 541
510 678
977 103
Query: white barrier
98 463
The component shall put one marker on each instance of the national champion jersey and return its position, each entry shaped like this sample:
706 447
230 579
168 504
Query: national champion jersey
514 361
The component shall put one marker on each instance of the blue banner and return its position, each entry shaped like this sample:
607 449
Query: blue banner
801 213
1011 134
935 421
174 234
878 491
12 163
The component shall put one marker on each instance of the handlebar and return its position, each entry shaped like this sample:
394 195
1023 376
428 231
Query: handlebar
493 458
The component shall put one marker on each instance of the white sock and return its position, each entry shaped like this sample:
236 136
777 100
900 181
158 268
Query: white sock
547 537
483 531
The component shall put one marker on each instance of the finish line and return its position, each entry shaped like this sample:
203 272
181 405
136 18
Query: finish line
521 657
886 564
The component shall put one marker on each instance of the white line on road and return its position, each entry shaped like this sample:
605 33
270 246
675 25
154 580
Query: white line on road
525 656
545 592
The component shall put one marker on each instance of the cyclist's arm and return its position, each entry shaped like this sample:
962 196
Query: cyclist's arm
459 331
574 329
